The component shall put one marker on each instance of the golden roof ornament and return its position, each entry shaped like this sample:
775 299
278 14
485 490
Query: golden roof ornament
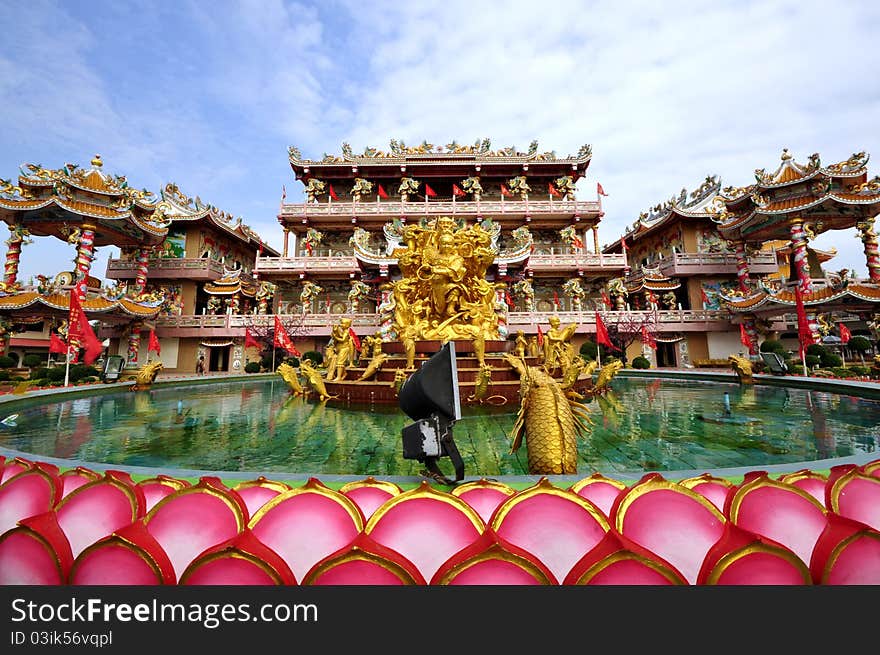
97 162
785 155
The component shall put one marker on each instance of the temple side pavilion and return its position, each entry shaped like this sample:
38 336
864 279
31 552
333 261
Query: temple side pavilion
796 203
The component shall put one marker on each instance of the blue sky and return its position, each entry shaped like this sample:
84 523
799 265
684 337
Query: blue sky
211 94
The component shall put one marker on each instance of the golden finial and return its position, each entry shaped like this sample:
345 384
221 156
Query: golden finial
97 162
785 155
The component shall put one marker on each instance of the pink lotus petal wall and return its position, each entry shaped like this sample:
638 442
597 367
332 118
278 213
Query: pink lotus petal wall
81 527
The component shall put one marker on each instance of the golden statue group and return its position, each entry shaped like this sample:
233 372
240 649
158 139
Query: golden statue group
443 295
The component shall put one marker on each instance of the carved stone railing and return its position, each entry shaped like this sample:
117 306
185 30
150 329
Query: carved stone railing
685 262
575 260
305 264
238 322
117 268
444 208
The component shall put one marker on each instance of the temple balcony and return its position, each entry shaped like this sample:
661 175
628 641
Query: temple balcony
323 212
168 268
320 324
563 258
711 263
310 265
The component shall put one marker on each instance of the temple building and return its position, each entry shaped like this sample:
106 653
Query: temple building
795 203
88 208
348 232
204 270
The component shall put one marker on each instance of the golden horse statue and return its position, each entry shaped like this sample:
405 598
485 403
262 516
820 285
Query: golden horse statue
290 376
549 421
316 382
742 367
607 372
147 375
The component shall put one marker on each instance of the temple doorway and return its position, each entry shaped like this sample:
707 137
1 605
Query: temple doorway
665 354
219 359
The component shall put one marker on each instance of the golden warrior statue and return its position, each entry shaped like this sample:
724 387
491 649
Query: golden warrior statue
444 294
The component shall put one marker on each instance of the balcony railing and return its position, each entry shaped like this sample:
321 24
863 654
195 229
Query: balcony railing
238 322
445 208
683 263
309 264
122 268
574 260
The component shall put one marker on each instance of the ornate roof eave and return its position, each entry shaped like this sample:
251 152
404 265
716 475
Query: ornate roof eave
481 153
61 302
864 292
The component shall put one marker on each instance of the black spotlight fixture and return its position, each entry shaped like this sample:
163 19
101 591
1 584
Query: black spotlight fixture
430 397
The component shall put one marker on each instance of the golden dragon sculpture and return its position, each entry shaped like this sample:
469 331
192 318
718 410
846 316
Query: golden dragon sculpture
373 367
742 367
603 380
577 369
147 375
481 388
316 382
549 421
399 378
290 376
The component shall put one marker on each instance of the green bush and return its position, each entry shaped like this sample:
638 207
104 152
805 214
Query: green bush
88 379
641 362
252 367
313 355
56 374
41 372
17 378
33 360
830 360
292 361
773 346
859 344
266 363
794 365
589 349
4 376
41 382
860 370
80 371
842 372
758 366
6 361
813 360
816 349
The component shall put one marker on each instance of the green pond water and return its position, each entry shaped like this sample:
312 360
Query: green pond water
257 426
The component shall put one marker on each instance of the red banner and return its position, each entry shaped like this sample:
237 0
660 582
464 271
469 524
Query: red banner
429 192
553 191
80 329
249 340
282 339
154 343
648 338
457 192
56 345
540 336
845 334
333 193
744 338
805 334
602 337
382 192
600 190
606 300
354 337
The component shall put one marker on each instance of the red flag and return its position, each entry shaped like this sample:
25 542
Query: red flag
328 302
602 337
309 247
606 300
648 338
704 297
509 300
154 343
623 246
333 193
282 339
429 192
354 337
556 299
540 336
744 337
845 334
382 193
553 191
56 345
456 191
577 242
249 340
805 334
260 251
283 192
505 191
600 190
652 297
80 329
